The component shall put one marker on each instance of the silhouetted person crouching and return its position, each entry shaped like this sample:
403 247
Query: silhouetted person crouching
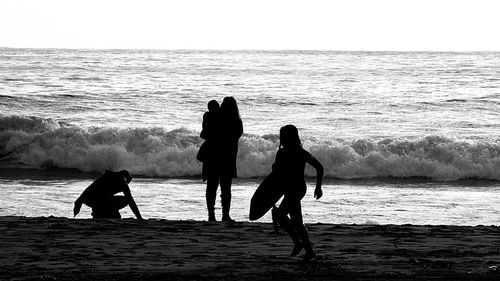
100 196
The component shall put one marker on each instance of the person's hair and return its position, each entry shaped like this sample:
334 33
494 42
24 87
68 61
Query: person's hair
289 136
213 105
127 175
229 108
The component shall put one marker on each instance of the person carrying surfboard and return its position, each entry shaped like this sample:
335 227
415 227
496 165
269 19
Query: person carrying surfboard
291 159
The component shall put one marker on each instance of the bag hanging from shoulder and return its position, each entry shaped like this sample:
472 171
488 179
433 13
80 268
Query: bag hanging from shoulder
202 155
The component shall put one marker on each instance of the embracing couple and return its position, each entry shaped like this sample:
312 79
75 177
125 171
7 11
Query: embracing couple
222 128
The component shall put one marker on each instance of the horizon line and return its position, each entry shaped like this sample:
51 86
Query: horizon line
254 50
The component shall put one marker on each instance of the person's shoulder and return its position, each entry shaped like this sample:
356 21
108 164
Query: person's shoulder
102 178
305 153
108 174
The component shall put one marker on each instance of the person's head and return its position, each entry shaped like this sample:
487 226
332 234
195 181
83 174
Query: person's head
289 136
213 105
126 174
229 108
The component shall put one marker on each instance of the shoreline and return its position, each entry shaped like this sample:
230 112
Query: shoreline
398 201
74 173
50 248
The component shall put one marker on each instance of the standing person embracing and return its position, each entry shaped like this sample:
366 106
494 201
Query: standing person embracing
291 159
221 169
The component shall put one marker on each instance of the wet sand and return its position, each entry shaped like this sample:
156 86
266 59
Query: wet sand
75 249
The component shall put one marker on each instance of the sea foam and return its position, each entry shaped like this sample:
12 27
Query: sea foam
32 142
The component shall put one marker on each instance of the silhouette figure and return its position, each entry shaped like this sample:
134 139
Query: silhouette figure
220 168
291 158
207 151
100 196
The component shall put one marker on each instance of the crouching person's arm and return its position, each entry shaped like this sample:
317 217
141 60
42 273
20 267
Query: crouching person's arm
131 203
77 207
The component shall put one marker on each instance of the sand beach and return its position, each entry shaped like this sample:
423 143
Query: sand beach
398 104
53 248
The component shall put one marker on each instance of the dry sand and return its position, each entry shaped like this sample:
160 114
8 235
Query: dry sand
73 249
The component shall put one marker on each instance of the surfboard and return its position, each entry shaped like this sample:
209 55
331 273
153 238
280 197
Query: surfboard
266 195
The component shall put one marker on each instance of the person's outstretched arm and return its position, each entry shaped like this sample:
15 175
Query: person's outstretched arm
87 196
319 176
131 202
77 207
78 202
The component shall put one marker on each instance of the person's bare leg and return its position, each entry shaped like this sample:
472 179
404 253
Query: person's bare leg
298 223
211 195
286 223
225 186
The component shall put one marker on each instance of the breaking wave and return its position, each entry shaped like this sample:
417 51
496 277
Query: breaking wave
32 142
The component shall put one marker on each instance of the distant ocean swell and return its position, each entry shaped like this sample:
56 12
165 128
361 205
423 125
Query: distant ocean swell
32 142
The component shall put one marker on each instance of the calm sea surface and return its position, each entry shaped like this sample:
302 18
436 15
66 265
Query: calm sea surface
404 137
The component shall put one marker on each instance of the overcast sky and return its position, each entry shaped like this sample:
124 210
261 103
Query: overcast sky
392 25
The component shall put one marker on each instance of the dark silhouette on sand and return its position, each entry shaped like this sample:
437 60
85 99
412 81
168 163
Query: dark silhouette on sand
100 196
291 159
219 166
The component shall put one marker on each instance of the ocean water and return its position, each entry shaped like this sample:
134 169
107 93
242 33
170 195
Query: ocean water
404 137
